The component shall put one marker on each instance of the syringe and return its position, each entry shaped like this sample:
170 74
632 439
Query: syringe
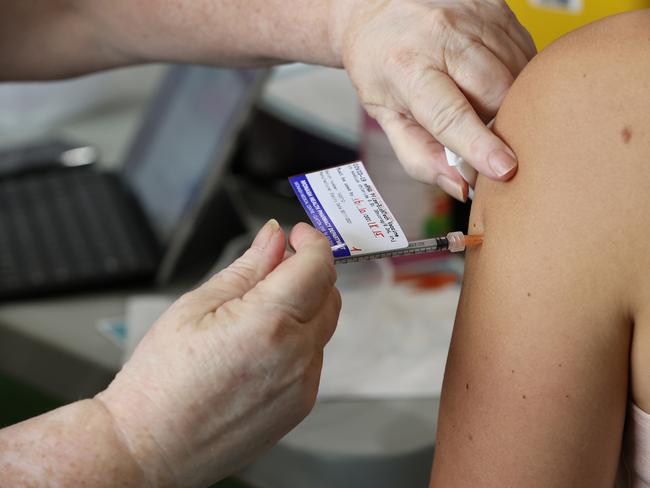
452 242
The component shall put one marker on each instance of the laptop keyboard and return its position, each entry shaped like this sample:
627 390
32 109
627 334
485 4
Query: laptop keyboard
67 229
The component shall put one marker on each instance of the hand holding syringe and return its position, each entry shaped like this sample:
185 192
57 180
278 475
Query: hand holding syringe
343 203
452 242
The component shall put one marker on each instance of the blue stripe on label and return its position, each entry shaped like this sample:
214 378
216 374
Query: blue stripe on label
317 214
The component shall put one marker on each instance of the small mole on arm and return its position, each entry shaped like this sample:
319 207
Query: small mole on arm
528 293
626 134
566 396
523 396
584 75
467 386
470 437
513 371
559 365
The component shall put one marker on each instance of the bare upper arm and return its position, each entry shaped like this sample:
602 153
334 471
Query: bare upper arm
537 378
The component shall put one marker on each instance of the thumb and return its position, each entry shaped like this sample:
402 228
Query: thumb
302 283
264 255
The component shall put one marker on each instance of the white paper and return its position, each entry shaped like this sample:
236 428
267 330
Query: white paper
344 204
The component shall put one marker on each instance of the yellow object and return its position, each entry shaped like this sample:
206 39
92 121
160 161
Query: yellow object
549 19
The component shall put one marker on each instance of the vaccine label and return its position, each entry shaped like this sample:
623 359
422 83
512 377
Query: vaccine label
344 204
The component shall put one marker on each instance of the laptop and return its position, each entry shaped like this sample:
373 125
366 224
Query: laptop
79 228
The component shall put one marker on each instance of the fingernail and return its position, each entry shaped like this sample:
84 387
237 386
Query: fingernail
264 235
451 187
502 162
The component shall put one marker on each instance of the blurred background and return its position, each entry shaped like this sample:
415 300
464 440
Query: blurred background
118 191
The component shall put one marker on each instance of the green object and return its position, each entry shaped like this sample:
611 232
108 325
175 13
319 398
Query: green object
19 401
437 226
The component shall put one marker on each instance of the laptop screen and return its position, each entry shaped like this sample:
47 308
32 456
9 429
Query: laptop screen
185 140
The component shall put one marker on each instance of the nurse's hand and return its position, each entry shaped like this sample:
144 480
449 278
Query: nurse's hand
232 366
431 72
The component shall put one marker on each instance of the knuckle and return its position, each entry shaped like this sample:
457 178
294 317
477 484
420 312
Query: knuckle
338 301
504 16
323 248
281 323
495 4
184 301
230 311
511 19
478 5
183 310
327 280
331 273
309 398
489 91
184 298
310 380
466 54
441 17
239 274
503 5
325 261
322 241
475 145
483 83
378 113
446 118
276 318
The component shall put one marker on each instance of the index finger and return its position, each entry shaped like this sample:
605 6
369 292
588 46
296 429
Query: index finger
304 281
446 113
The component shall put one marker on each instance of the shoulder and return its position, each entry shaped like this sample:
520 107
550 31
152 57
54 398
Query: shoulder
578 119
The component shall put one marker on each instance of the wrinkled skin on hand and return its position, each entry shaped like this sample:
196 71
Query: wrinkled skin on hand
233 365
433 72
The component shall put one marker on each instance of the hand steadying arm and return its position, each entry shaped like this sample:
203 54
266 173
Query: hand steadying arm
430 71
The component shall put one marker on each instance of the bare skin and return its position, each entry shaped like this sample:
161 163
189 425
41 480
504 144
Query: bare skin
62 447
552 336
222 375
